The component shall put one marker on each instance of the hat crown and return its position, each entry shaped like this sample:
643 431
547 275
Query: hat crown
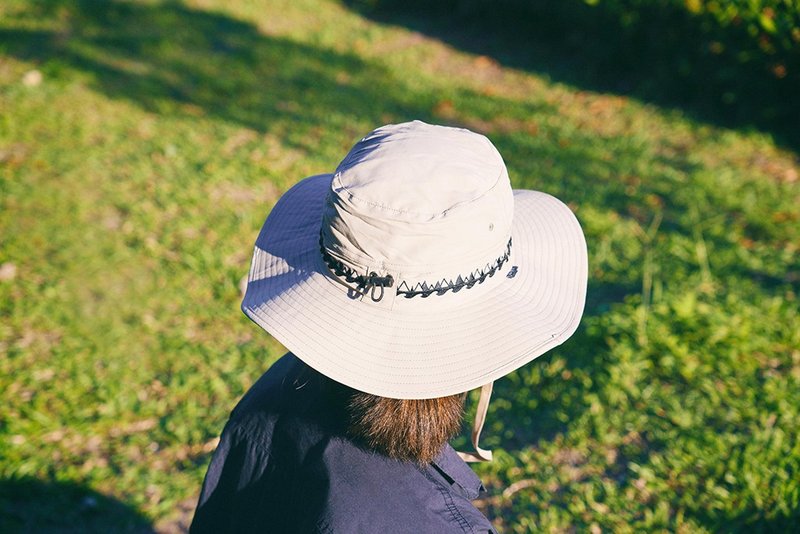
418 172
419 202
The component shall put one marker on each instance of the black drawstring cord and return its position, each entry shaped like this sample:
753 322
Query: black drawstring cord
370 283
424 289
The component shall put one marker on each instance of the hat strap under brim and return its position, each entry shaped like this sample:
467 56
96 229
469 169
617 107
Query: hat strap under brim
480 455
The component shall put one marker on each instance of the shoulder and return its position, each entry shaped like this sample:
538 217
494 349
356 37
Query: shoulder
251 476
284 408
369 492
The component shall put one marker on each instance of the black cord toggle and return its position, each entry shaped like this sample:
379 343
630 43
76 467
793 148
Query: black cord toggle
372 282
364 283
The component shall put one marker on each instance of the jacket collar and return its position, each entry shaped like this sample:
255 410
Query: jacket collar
457 473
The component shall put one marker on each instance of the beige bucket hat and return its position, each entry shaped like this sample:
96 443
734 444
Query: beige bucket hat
414 271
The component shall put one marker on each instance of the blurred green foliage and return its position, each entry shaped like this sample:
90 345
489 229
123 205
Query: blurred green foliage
736 62
142 143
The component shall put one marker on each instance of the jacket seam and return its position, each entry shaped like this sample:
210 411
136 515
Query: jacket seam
451 506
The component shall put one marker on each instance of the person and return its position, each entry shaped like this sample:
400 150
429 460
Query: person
410 276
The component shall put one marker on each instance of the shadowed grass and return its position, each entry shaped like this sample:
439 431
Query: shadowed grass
30 505
727 63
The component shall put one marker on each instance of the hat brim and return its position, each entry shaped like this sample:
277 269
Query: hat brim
431 347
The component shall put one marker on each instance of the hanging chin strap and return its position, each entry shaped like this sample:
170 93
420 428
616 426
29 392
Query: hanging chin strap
480 455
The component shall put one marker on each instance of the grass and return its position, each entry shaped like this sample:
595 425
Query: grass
135 175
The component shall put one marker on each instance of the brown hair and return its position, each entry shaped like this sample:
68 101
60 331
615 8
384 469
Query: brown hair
404 429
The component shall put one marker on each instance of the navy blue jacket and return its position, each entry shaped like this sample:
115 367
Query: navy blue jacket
284 464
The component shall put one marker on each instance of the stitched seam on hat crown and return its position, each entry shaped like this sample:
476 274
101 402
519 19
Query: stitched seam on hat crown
431 216
356 256
399 268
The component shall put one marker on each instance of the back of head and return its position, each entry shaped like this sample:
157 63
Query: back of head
405 429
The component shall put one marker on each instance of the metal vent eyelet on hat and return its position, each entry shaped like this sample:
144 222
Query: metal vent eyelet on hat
370 283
